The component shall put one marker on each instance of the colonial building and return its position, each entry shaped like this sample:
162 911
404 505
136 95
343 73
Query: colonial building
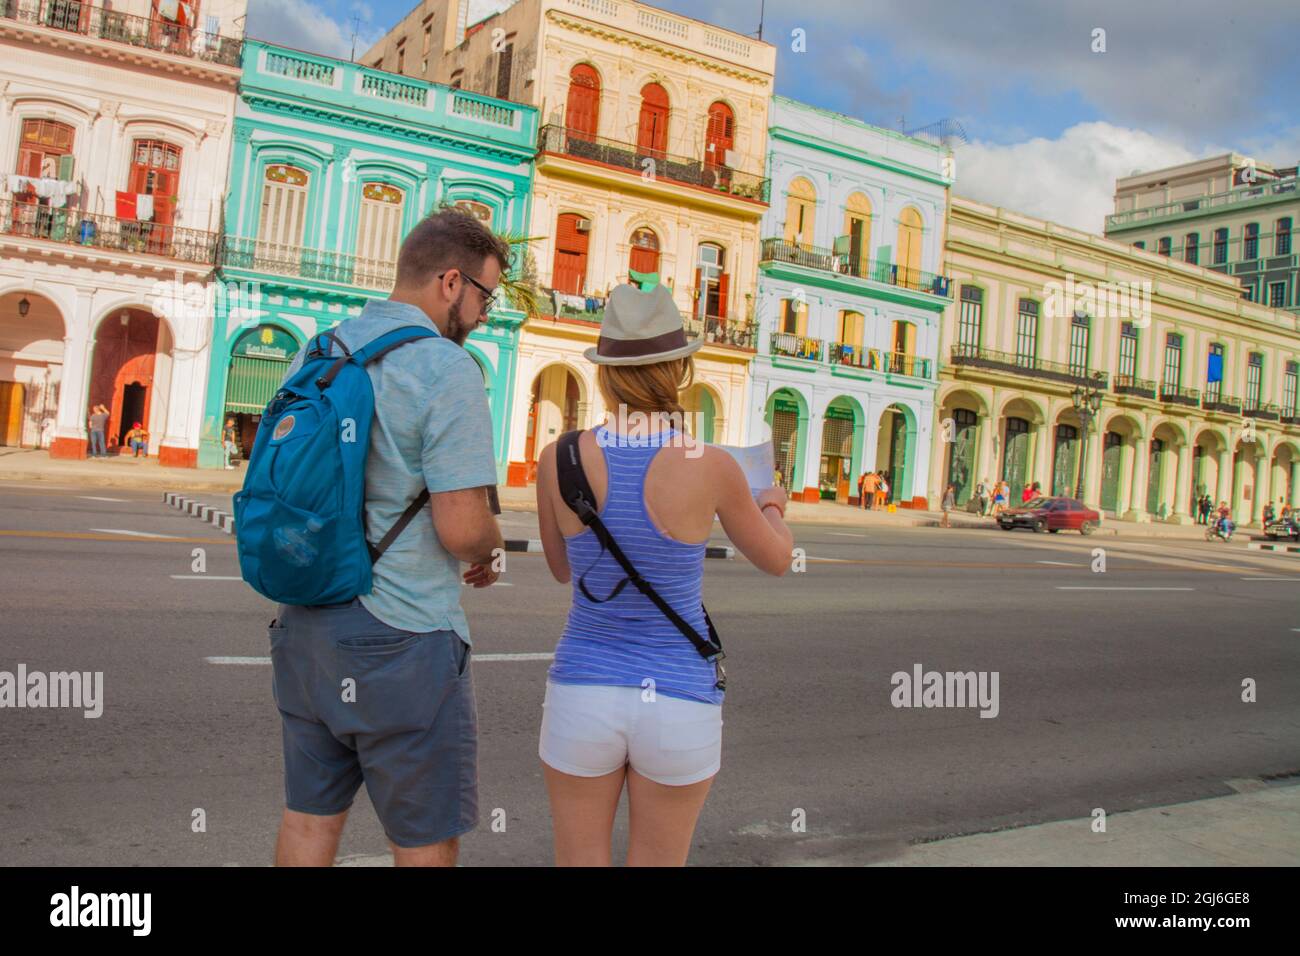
849 304
333 164
650 169
1229 213
1197 386
115 127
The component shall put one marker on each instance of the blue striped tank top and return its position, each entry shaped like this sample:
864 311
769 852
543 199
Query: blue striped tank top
626 640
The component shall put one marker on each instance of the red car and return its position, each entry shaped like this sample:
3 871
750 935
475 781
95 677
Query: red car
1051 514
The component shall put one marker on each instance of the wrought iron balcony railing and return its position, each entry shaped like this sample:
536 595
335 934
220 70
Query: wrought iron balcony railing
298 262
1291 418
875 360
974 356
1177 395
828 260
1129 385
796 346
151 33
716 330
1262 410
644 162
71 227
1227 404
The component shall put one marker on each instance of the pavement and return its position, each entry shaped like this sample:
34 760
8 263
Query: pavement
1120 687
27 465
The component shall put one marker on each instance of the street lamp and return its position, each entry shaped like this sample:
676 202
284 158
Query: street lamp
1086 398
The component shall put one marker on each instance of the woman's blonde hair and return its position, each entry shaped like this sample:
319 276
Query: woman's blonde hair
647 388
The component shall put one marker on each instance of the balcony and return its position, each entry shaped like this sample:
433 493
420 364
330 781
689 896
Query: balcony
1291 418
1177 395
1284 188
716 330
301 263
972 356
828 260
1263 411
1129 385
147 33
850 355
631 158
789 345
1225 404
69 227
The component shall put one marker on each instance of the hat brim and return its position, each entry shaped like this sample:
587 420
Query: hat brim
597 359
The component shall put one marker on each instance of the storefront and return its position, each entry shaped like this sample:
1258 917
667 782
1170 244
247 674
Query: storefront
259 360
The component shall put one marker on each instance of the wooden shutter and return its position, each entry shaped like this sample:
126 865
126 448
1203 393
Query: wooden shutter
724 283
379 225
652 129
719 134
582 112
569 272
284 206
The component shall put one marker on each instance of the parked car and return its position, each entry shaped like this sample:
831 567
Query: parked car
1285 528
1051 514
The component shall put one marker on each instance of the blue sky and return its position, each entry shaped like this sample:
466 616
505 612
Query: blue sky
1051 121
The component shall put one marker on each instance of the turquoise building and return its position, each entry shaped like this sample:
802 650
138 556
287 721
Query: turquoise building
332 164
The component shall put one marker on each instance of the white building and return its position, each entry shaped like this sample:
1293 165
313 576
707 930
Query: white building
115 129
849 304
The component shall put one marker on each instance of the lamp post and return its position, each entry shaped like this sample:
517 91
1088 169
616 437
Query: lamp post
1086 398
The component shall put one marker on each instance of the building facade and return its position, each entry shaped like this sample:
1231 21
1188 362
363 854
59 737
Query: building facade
1198 387
333 164
849 304
115 128
650 169
1229 213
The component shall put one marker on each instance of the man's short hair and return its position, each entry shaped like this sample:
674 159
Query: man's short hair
450 238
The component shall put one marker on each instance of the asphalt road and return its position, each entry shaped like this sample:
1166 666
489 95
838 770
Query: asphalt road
1119 689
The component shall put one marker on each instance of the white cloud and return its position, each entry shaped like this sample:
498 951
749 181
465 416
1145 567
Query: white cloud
302 25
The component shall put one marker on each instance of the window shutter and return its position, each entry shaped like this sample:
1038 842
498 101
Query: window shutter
724 281
66 164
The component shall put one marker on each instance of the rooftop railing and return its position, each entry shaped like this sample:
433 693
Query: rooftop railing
1230 197
71 227
652 163
150 33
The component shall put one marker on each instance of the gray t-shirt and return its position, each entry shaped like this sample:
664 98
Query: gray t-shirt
432 428
98 422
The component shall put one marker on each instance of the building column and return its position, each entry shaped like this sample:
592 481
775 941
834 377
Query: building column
939 448
1137 504
189 379
1262 489
1092 466
1295 484
1182 487
71 433
812 457
1225 478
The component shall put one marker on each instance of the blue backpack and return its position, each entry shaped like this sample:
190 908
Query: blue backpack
300 519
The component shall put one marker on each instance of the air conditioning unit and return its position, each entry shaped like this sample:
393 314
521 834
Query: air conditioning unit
584 225
729 158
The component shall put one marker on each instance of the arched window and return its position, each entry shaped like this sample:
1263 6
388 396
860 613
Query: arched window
857 234
582 109
909 248
719 134
480 211
645 252
800 208
652 128
712 281
569 272
379 224
284 206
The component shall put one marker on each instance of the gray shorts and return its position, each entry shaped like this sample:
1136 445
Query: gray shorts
364 702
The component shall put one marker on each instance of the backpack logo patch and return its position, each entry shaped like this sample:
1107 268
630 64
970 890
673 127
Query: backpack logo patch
283 427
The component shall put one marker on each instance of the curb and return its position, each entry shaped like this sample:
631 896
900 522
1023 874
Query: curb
223 520
1282 548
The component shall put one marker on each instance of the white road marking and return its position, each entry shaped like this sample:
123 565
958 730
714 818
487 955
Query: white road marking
134 534
474 657
813 557
97 498
496 584
206 577
1063 564
1260 577
1062 588
846 534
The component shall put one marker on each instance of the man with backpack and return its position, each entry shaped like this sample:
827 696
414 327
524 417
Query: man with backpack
370 650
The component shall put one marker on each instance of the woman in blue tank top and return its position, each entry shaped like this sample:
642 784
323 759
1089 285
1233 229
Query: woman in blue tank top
630 699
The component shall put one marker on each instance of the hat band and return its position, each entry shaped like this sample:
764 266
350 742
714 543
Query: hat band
632 348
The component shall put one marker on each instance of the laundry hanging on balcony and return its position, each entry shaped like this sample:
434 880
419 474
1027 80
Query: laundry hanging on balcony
134 206
176 11
56 191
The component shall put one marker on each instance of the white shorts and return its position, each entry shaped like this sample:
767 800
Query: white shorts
592 730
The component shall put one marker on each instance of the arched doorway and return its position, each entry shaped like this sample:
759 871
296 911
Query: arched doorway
701 407
841 450
644 257
31 369
895 447
259 360
1065 459
787 413
553 409
130 374
960 470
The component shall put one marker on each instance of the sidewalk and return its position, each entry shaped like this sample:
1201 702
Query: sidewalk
1259 826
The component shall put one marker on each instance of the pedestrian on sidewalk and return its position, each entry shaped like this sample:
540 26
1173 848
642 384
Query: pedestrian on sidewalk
870 482
633 699
949 502
1000 494
137 439
982 496
882 491
228 446
98 424
409 729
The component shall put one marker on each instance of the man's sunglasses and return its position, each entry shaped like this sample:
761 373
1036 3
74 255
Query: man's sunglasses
491 299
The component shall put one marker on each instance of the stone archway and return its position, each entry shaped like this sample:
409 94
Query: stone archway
32 331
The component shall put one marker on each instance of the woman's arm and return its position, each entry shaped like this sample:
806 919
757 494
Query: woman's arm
760 535
557 559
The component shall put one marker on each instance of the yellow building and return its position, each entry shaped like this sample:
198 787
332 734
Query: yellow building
1198 391
651 161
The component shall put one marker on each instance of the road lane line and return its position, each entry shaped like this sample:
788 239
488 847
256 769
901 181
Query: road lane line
846 534
477 658
238 660
1261 577
97 498
86 536
1061 564
206 577
135 534
1105 588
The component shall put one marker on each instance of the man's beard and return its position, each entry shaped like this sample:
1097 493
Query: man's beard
458 328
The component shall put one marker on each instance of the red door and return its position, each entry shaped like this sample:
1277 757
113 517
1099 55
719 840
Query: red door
569 273
652 129
645 252
719 135
156 172
582 112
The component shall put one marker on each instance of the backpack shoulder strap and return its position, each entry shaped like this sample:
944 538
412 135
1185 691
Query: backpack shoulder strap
577 494
381 345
